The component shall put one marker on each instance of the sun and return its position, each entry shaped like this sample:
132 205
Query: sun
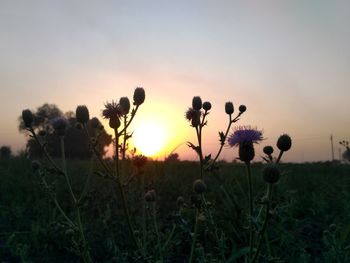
149 138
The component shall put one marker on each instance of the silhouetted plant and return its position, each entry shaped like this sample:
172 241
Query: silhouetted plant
346 153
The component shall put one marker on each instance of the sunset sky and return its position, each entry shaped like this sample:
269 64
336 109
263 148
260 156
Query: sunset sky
287 61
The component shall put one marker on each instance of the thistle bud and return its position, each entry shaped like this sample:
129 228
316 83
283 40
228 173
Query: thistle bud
60 124
124 104
114 122
284 142
139 96
95 123
150 196
246 151
199 186
271 174
206 105
229 108
197 103
242 108
82 114
268 150
27 117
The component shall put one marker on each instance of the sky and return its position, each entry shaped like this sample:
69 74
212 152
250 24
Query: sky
287 61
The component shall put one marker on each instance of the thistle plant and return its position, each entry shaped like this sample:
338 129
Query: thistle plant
346 153
59 124
244 138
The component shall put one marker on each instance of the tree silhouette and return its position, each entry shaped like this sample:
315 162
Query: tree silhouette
76 141
5 152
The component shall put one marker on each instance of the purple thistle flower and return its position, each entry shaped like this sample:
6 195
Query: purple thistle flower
244 134
112 110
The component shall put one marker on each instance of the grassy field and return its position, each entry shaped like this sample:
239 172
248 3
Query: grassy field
310 214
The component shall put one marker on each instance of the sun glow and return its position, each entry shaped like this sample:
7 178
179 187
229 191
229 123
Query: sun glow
149 138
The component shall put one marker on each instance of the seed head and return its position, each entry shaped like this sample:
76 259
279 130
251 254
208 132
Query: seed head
82 114
124 105
150 196
197 103
114 122
268 150
199 186
139 96
284 142
242 108
27 117
271 174
207 106
229 107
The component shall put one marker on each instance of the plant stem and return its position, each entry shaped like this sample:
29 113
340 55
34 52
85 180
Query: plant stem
279 157
143 214
157 231
194 240
250 197
264 226
200 153
118 178
124 137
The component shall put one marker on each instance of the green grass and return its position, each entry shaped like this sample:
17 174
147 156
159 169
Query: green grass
307 200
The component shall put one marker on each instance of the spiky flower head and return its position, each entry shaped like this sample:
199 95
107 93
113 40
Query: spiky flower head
27 117
206 106
193 116
244 134
82 114
229 107
284 142
197 103
242 108
244 137
139 96
124 104
111 110
271 174
199 186
59 124
268 150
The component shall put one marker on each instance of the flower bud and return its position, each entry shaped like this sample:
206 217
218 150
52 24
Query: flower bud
95 123
60 124
284 142
124 104
199 186
246 151
268 150
82 114
242 108
206 105
114 122
139 96
229 108
271 174
150 196
197 103
27 117
196 118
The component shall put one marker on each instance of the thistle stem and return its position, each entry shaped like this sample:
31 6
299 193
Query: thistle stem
264 226
157 231
250 197
124 137
194 240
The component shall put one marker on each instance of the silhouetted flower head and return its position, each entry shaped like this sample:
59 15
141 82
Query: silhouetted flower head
82 114
95 123
199 186
193 116
268 150
124 104
139 96
27 117
284 142
271 174
196 103
244 134
112 109
229 107
139 161
59 124
242 108
206 106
